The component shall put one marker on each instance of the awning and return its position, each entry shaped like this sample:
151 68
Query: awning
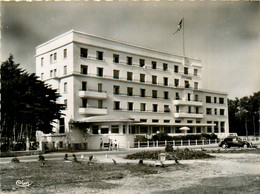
185 128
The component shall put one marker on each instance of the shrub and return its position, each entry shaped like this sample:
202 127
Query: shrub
140 138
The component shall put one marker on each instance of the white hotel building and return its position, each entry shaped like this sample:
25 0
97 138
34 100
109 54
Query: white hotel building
116 90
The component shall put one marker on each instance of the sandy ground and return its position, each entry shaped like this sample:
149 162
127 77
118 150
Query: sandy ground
227 173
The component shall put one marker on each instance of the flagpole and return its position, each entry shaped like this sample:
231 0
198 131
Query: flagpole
183 39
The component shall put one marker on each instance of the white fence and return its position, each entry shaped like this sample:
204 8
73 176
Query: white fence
156 144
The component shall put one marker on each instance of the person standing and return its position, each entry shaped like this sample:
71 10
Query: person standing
101 143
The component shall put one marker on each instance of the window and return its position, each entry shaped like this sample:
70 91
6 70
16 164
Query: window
208 111
196 98
100 87
55 71
84 86
143 120
209 128
215 99
176 69
177 97
116 74
95 129
167 129
155 121
142 77
197 110
165 81
222 126
186 70
166 121
196 72
177 109
143 129
60 144
189 109
196 85
142 92
65 104
166 108
100 103
104 130
62 125
65 70
84 103
55 56
130 105
51 58
208 99
188 96
155 107
116 89
42 61
165 66
154 79
177 121
129 60
129 91
116 105
129 76
51 71
187 84
65 87
154 64
216 127
216 111
221 100
141 62
166 95
84 52
189 121
65 53
143 106
99 55
222 112
115 58
176 82
154 94
100 72
114 128
84 69
42 74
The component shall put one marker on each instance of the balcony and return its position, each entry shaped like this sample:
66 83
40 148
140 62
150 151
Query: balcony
93 94
188 115
92 111
188 103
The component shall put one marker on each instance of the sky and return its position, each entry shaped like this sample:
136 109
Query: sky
224 35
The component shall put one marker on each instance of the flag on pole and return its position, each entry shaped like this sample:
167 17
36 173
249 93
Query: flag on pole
179 26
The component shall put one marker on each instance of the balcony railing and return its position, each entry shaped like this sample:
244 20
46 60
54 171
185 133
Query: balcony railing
187 102
93 94
188 115
90 110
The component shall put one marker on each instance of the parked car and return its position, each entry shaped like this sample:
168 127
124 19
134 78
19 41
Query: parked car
234 141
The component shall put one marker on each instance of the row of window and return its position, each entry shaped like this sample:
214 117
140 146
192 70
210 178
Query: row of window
209 111
53 57
218 128
116 91
129 61
142 79
220 101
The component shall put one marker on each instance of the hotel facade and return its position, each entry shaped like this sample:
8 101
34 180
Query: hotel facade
115 90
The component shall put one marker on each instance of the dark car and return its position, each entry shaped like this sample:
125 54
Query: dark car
234 141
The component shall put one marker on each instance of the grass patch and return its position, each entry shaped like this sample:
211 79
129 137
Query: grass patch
59 174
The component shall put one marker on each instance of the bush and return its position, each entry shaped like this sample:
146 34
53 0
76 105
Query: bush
140 138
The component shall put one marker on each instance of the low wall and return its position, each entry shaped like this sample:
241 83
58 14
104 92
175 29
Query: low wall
21 153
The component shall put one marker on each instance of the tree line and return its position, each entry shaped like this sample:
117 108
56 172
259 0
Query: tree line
27 105
243 115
